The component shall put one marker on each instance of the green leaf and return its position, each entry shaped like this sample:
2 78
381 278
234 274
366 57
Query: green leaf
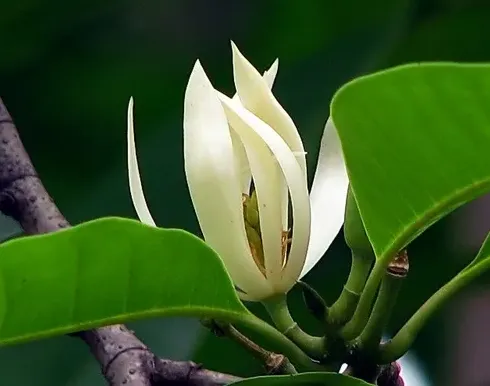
116 270
416 141
304 379
109 271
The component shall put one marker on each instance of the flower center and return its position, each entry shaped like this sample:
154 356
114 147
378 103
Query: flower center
254 236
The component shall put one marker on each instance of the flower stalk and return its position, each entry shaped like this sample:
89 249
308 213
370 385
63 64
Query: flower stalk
397 270
362 258
278 310
273 363
404 338
356 324
344 307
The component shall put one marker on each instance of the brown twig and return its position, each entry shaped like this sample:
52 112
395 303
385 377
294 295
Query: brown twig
173 371
123 358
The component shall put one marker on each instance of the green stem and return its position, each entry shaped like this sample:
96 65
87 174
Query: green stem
402 341
280 342
358 321
370 337
273 363
278 310
342 310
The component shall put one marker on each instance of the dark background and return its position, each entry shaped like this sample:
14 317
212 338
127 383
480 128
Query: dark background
67 70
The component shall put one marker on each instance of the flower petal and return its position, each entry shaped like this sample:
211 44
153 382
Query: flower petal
328 196
135 186
240 155
241 162
269 77
249 126
256 96
270 74
214 183
267 179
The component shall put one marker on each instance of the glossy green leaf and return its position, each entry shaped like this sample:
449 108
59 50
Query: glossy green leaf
108 271
304 379
116 270
416 141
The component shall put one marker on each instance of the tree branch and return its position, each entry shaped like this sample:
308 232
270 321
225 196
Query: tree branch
123 358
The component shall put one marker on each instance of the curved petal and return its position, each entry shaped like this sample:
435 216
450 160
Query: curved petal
267 179
328 196
256 96
135 186
240 155
214 183
269 77
241 163
248 125
271 73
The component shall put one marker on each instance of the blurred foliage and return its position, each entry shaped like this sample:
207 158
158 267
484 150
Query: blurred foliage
67 71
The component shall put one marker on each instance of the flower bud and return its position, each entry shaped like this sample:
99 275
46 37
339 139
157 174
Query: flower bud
354 231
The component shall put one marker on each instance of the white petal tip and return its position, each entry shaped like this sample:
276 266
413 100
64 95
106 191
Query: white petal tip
196 69
271 73
275 65
135 186
236 52
198 86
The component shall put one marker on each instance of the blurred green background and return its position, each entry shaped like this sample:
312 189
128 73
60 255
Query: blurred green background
67 70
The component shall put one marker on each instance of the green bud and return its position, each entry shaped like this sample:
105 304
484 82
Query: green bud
252 228
314 302
354 231
251 211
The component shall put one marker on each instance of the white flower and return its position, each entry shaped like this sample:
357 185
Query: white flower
230 142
